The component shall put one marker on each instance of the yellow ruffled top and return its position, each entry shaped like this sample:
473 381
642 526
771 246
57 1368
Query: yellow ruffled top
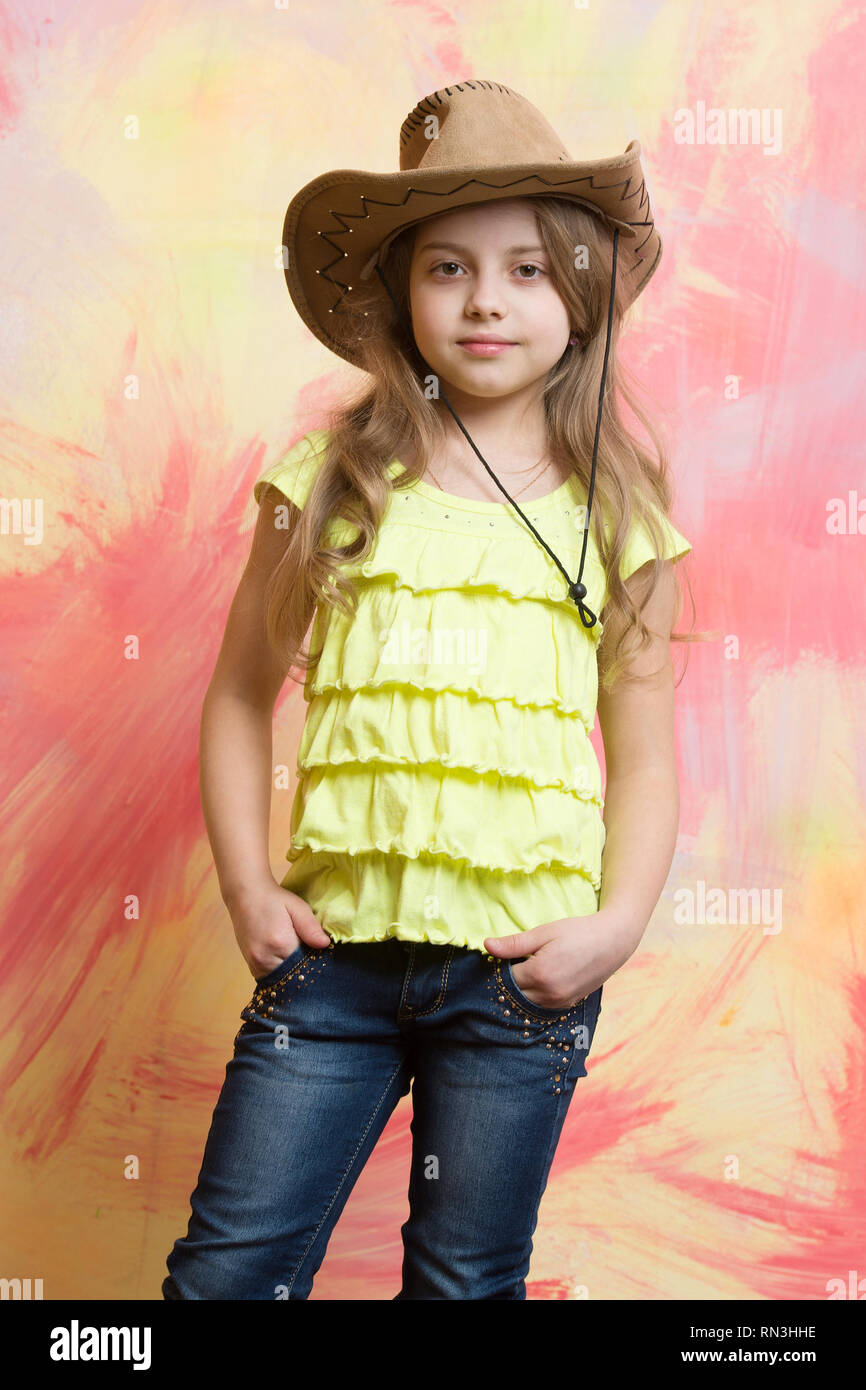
447 787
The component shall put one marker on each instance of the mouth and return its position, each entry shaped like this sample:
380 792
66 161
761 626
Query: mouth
485 346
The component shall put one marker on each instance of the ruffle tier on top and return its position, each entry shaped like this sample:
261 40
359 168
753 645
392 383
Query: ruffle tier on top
448 790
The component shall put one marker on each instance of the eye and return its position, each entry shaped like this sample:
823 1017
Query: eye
445 267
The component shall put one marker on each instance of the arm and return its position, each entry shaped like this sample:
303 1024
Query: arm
235 766
570 958
641 812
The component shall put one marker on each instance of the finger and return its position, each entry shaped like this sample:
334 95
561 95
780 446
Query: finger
523 944
307 925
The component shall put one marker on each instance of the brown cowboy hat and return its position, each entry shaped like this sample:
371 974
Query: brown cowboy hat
470 143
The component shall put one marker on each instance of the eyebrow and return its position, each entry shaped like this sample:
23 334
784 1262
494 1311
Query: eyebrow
462 250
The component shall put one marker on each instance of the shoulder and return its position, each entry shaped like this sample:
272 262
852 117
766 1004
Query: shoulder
641 545
295 472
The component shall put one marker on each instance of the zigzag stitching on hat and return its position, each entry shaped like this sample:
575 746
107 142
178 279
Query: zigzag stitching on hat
345 217
409 125
483 183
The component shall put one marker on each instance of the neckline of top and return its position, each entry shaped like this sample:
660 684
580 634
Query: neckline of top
472 504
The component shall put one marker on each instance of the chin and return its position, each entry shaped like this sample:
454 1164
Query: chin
483 387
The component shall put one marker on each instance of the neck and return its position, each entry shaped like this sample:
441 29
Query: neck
504 428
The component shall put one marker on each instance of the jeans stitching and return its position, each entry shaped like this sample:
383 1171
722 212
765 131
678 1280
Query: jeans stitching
443 986
296 1271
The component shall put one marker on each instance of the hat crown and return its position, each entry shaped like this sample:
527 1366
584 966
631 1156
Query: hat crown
476 123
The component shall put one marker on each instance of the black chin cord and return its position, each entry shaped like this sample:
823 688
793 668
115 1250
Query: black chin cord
576 588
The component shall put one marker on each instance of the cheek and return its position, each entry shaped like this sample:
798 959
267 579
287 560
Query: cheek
550 317
549 336
432 326
428 313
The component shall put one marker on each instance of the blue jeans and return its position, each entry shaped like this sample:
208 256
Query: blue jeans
330 1041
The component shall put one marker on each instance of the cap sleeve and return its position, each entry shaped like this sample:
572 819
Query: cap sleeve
295 473
639 547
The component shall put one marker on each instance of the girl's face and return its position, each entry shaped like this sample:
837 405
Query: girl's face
483 272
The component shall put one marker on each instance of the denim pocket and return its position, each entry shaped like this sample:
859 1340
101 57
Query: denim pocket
522 1001
275 992
279 971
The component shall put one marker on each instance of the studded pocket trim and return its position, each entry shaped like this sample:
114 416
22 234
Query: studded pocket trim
560 1031
304 965
281 969
506 985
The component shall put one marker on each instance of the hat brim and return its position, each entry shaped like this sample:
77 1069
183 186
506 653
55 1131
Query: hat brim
338 225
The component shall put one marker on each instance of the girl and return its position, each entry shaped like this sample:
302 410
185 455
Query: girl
448 919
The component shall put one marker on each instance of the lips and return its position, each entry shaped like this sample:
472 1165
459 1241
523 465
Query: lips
486 347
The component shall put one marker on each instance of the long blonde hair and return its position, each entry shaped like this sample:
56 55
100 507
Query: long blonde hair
392 410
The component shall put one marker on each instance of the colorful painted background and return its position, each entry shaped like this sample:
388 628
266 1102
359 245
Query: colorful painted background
151 365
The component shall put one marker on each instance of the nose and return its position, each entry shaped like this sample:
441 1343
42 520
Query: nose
485 295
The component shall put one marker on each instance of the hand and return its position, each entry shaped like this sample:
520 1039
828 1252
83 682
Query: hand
568 959
270 922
